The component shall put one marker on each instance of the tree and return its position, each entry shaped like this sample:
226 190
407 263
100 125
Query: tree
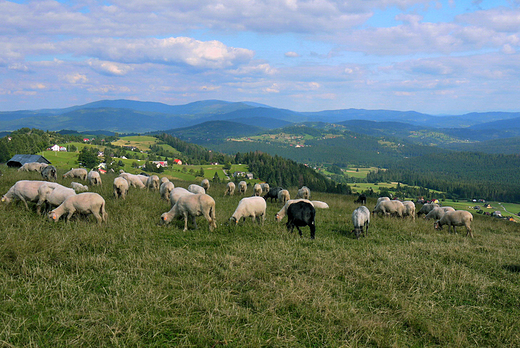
88 157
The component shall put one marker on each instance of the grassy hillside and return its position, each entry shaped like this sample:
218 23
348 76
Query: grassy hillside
134 282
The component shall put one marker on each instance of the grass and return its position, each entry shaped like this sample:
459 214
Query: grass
134 282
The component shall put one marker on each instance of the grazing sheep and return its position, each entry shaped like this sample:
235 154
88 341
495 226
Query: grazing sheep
121 187
380 199
178 192
257 190
205 183
83 203
361 220
165 189
362 199
304 192
301 214
52 195
438 212
133 180
197 189
426 208
79 173
265 187
283 196
143 177
273 193
192 206
25 191
164 179
230 188
409 209
456 218
50 173
316 204
153 182
390 208
78 187
254 207
32 167
94 178
242 187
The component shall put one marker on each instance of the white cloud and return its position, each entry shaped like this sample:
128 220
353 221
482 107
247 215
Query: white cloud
109 68
291 54
75 78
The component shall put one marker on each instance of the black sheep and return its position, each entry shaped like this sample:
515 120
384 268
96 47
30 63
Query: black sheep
361 199
301 214
273 193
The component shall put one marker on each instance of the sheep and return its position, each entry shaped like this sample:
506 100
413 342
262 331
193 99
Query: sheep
409 209
456 218
192 205
242 187
362 199
317 204
83 203
273 193
437 213
164 179
52 195
265 187
94 178
205 184
32 167
301 214
121 187
361 220
133 180
143 177
194 188
257 190
230 188
254 207
49 173
165 189
178 192
283 196
304 192
24 190
78 187
79 173
390 208
382 199
426 208
153 182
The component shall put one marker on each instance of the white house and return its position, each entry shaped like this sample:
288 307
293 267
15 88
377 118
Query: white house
57 148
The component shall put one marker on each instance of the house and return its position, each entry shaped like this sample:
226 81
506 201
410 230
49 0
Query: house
57 148
177 161
250 176
19 160
160 163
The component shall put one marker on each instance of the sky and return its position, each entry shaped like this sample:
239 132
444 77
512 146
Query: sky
435 57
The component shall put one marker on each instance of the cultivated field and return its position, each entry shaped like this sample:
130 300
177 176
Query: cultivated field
135 282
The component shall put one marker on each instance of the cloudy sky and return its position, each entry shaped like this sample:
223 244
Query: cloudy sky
437 57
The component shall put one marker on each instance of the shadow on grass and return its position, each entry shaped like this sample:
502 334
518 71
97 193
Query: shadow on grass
512 268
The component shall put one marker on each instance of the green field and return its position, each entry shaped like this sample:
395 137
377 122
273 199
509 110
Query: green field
135 282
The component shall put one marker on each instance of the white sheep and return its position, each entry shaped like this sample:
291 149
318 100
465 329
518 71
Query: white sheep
153 182
426 208
283 196
178 192
382 199
409 209
133 180
257 190
316 204
205 184
121 187
32 167
192 206
242 187
25 191
230 188
83 203
388 208
52 195
143 178
165 189
93 178
361 220
456 218
80 173
194 188
254 207
164 179
437 213
78 187
304 192
265 187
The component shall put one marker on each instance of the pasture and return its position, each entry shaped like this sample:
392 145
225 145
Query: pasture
135 282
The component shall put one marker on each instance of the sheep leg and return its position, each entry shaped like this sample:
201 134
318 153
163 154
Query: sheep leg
194 220
300 231
97 216
185 222
69 215
313 231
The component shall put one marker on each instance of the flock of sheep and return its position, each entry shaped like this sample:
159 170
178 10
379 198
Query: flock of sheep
194 201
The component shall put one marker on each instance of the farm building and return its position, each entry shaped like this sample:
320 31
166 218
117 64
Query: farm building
19 160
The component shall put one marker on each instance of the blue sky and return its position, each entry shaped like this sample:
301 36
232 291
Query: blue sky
437 57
